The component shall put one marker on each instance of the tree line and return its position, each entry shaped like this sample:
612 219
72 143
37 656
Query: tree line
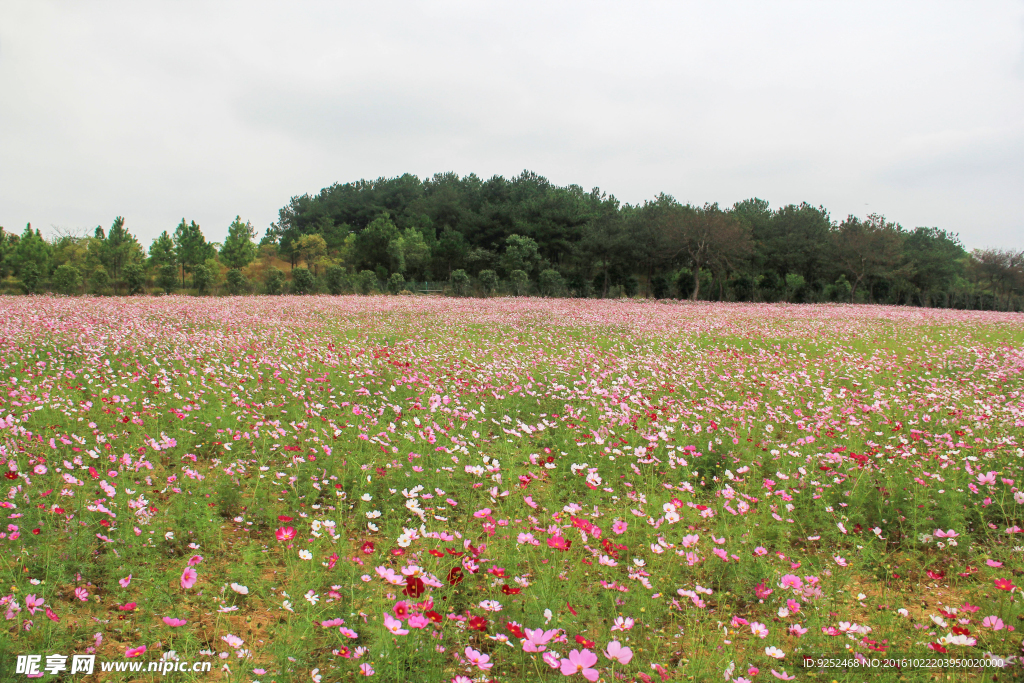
522 236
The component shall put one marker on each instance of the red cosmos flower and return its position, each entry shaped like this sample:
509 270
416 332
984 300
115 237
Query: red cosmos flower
436 553
381 471
368 548
584 642
515 629
937 575
284 518
961 631
401 609
36 531
332 560
414 587
937 647
342 651
454 553
455 575
968 570
128 607
571 609
11 475
1004 584
509 590
433 616
104 522
478 624
398 552
285 533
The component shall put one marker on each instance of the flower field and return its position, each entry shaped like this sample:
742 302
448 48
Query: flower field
435 489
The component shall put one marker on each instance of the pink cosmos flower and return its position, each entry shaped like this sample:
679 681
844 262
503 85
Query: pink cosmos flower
551 659
174 622
797 630
478 659
285 533
81 594
418 621
537 639
232 640
347 632
994 563
623 624
33 603
581 662
125 581
619 527
759 629
366 669
782 675
791 581
994 623
194 560
394 625
189 578
618 653
135 652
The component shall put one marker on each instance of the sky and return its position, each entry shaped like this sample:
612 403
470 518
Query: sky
158 111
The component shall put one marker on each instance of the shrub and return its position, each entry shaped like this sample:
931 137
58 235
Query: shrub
274 282
367 282
489 281
302 281
659 286
337 280
460 282
201 279
396 283
67 279
236 281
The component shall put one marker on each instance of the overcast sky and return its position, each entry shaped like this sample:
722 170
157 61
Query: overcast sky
158 111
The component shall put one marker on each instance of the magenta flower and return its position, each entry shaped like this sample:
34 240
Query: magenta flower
618 653
33 603
135 652
189 578
174 622
580 662
537 639
619 527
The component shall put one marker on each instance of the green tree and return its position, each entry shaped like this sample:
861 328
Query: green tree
99 281
302 281
239 249
236 281
162 252
312 249
520 253
67 279
520 282
373 242
202 278
32 258
551 283
119 248
167 280
134 279
190 247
